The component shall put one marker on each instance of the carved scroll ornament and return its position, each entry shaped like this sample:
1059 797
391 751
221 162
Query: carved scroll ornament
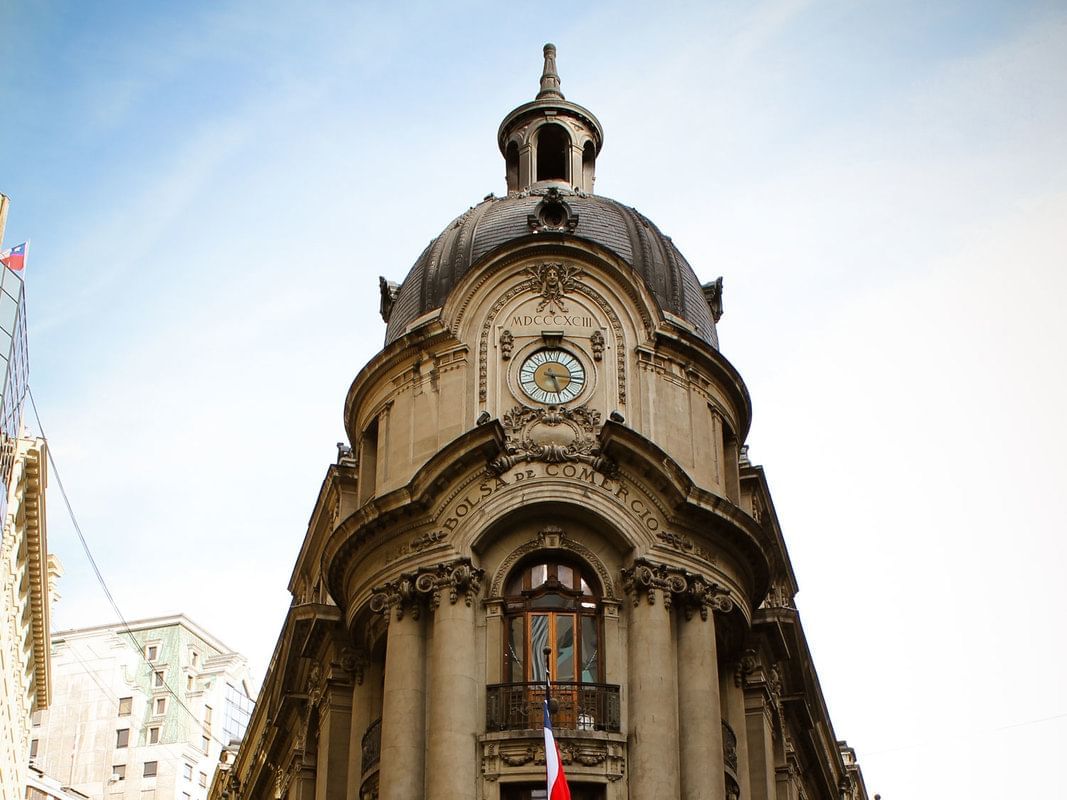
424 587
692 592
553 435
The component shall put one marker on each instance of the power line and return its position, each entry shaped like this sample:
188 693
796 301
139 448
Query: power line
100 578
941 741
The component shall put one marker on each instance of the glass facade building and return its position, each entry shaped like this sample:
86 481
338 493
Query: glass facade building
15 367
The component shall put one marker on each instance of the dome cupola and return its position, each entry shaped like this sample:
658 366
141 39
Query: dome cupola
550 142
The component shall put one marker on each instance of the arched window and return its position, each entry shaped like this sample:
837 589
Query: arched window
553 153
553 604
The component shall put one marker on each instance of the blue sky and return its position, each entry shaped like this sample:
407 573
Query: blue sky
212 190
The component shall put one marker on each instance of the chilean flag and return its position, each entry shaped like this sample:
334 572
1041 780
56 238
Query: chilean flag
557 781
15 258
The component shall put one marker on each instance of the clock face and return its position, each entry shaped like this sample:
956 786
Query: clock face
552 376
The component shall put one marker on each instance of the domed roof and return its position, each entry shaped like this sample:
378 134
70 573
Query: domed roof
500 220
550 147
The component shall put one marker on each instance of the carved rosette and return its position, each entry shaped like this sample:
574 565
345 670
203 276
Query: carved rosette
691 592
409 593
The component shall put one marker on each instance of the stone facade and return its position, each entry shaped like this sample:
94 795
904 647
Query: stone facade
545 477
141 712
27 578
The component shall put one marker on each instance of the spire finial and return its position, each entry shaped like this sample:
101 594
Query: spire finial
549 76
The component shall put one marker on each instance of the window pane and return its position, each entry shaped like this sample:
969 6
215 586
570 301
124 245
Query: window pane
125 706
590 651
564 648
538 575
516 667
565 576
538 643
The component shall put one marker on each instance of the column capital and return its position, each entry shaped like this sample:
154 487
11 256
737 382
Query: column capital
413 590
692 591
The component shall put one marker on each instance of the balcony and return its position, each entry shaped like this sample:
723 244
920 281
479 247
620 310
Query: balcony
372 746
582 706
729 747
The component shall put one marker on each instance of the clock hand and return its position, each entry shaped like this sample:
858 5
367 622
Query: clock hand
552 377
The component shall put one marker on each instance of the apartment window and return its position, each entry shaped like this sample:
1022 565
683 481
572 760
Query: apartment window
118 772
158 678
207 716
122 737
151 652
160 707
150 769
203 779
33 747
188 683
194 658
125 706
187 769
205 743
153 735
36 719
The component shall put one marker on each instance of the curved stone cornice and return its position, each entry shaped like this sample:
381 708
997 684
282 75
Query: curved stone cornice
689 591
723 520
472 450
408 593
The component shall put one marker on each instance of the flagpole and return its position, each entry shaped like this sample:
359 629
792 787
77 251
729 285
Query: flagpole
548 680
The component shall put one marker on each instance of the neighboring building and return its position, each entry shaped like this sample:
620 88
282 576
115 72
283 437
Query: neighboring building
27 572
547 459
41 787
141 712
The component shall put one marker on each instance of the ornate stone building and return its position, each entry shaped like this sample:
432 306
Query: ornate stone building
546 457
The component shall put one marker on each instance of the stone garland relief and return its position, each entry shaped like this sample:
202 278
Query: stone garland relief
692 592
411 591
498 757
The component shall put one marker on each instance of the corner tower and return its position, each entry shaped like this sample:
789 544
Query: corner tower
545 479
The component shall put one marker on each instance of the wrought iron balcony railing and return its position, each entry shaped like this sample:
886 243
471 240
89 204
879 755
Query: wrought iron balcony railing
372 745
582 706
729 747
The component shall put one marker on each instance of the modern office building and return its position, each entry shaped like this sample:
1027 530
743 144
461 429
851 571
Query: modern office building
546 479
141 712
27 572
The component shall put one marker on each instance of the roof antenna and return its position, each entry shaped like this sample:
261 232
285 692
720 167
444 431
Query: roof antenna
549 76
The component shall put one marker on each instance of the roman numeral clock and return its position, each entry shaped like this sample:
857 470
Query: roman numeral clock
552 376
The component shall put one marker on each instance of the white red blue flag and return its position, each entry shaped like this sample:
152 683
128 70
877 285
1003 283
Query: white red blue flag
15 258
557 781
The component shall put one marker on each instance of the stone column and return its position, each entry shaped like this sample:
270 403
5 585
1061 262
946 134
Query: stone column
404 694
451 768
652 771
335 723
762 689
732 698
703 768
366 708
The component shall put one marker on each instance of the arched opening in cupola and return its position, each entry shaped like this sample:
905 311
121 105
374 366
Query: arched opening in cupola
588 162
511 159
553 151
